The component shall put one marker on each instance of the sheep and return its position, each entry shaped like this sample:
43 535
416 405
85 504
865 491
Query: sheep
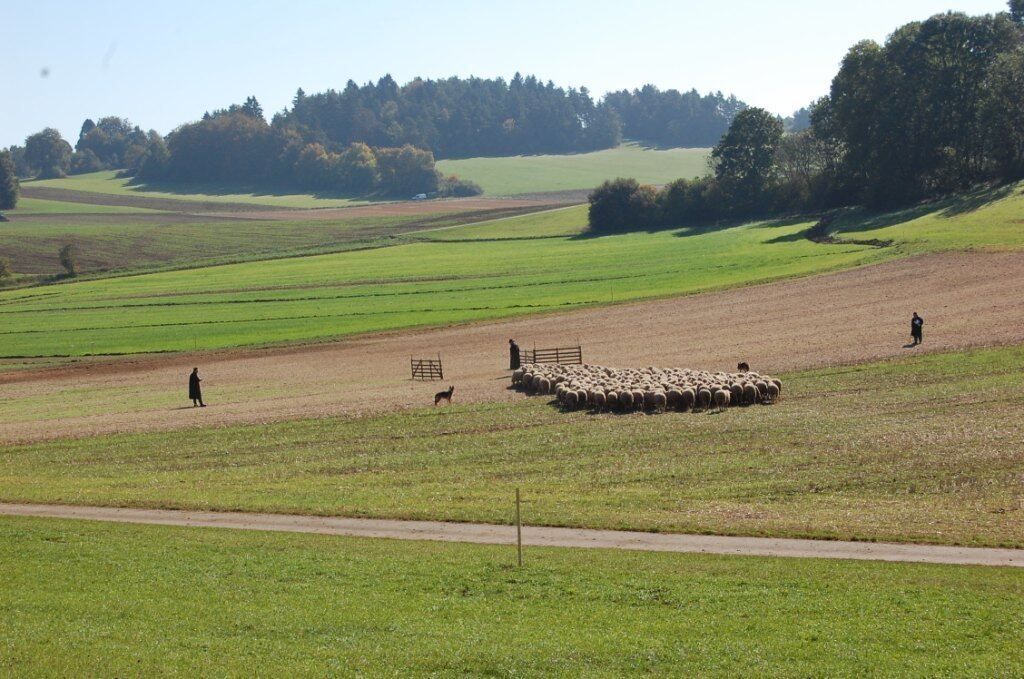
722 398
704 398
773 392
688 399
660 401
626 400
599 399
544 385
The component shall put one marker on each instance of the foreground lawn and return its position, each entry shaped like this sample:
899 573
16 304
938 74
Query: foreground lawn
108 182
537 174
88 599
929 449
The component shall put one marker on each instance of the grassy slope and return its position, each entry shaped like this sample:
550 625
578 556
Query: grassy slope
85 599
483 277
533 174
124 245
109 182
924 449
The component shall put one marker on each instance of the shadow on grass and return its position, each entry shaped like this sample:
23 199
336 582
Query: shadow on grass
704 229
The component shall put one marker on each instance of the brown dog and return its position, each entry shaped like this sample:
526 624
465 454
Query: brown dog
444 395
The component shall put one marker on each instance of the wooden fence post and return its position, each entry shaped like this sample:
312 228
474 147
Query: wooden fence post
519 533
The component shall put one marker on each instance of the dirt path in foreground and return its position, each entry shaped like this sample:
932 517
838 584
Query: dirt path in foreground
967 299
535 536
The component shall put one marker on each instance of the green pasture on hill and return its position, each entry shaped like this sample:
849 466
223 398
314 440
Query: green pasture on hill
498 270
92 599
514 175
108 182
929 449
146 242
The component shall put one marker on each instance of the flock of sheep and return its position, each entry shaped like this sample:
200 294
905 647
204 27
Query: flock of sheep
581 386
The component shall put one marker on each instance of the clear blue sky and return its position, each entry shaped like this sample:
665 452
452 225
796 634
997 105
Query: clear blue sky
164 63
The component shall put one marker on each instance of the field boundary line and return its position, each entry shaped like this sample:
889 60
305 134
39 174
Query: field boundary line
533 536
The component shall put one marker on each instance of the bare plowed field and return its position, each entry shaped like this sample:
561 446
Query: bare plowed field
967 299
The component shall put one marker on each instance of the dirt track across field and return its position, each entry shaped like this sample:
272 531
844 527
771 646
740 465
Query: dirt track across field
967 299
535 536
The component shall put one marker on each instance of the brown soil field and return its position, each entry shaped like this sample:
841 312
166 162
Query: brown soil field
206 209
403 208
968 300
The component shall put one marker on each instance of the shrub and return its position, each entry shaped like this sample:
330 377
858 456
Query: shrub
69 260
623 205
451 185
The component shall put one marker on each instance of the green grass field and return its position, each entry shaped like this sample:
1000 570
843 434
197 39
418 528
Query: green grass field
927 449
498 270
537 174
87 599
108 182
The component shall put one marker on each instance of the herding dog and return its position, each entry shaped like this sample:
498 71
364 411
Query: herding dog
743 368
444 396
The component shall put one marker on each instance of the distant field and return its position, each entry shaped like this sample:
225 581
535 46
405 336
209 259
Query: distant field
928 449
108 182
535 174
421 283
430 283
36 206
88 599
140 241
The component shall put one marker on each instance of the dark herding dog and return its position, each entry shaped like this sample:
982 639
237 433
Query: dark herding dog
444 395
743 368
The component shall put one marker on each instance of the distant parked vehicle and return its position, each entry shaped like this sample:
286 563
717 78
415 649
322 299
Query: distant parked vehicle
3 218
420 196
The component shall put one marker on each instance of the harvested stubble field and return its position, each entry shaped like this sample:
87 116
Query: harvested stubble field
158 600
925 449
968 300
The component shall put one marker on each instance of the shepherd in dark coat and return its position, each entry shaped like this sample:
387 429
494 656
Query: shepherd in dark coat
513 355
194 391
917 328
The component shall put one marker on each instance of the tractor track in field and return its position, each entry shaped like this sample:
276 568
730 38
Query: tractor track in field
533 536
853 316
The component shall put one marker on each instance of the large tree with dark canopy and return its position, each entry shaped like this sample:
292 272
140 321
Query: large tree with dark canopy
744 160
48 154
8 182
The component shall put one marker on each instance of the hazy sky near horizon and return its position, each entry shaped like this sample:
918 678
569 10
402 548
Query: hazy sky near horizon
163 63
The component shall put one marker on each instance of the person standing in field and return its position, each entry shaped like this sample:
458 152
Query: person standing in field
917 329
513 355
195 392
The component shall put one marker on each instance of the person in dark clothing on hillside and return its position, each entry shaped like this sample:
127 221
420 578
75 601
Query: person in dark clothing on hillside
513 355
917 329
194 391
